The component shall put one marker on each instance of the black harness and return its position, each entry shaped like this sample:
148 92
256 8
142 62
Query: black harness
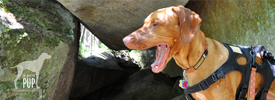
231 65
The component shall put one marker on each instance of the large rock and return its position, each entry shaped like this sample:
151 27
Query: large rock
147 57
94 73
29 30
111 20
243 22
144 85
172 69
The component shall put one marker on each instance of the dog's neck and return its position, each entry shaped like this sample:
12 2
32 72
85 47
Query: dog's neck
190 53
41 57
194 50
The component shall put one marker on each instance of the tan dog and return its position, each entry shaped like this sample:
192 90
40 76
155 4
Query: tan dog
175 31
34 66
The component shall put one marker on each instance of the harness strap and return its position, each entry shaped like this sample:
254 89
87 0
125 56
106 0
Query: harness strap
252 81
230 65
226 68
205 84
246 87
266 72
243 87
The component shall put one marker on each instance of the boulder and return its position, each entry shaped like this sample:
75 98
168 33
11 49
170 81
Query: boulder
40 37
148 57
94 73
104 60
180 97
143 85
111 20
242 22
109 76
172 69
144 58
88 79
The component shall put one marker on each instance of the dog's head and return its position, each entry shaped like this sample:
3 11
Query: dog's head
46 56
164 28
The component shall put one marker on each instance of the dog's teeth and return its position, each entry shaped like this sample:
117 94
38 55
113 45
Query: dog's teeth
156 66
165 49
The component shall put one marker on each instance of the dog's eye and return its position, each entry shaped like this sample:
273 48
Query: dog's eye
156 24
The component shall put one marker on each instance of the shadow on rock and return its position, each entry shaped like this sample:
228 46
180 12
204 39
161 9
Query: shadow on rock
95 73
109 77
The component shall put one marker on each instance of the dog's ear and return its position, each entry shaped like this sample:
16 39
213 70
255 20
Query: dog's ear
189 23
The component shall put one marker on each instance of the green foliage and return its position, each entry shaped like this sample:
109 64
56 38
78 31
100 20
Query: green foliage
3 5
53 41
82 49
6 29
103 47
128 52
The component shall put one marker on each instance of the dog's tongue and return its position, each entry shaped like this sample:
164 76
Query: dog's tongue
161 57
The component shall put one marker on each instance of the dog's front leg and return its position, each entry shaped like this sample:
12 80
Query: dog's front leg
37 75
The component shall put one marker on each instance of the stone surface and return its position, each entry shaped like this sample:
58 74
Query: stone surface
111 20
149 56
172 69
47 27
142 85
94 73
243 22
30 28
180 97
104 60
109 76
89 79
63 88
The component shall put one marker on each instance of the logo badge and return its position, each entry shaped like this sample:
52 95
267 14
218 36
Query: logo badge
236 49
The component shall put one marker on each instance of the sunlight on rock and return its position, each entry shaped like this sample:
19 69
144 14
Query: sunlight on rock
136 55
9 20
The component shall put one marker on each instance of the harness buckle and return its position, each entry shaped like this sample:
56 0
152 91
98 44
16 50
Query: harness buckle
243 92
221 75
264 94
216 77
253 54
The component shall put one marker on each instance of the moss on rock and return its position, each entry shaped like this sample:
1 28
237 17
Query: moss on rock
47 28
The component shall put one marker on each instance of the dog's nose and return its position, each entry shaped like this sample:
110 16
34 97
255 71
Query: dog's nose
131 42
126 40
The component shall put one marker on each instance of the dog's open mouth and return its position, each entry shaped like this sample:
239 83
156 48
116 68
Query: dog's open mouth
161 57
